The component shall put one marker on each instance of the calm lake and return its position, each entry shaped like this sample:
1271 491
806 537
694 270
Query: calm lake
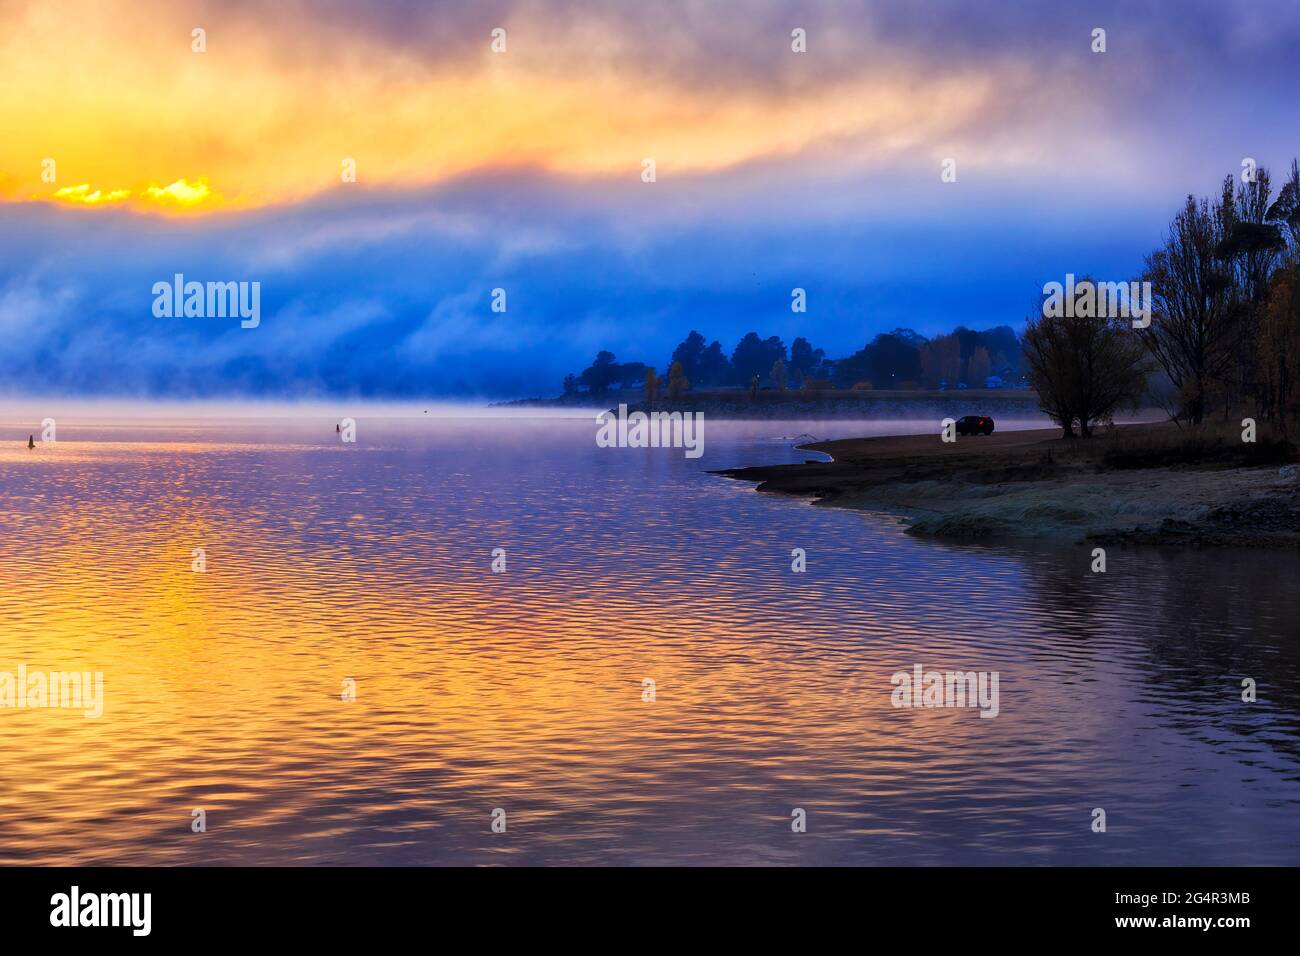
524 691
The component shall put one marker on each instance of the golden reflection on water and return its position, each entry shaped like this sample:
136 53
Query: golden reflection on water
524 690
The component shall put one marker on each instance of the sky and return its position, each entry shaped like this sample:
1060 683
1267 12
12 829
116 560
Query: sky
128 156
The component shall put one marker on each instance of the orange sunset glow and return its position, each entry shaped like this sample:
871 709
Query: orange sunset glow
132 116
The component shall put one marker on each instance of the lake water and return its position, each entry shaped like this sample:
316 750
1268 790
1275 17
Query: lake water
523 691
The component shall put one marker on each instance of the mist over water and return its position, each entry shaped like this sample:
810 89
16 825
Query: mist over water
523 690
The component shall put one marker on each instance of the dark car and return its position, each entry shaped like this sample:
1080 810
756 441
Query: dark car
975 425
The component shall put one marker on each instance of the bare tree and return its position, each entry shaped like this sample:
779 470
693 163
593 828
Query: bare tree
1278 341
1192 331
1084 367
1285 211
1046 352
1250 251
1279 345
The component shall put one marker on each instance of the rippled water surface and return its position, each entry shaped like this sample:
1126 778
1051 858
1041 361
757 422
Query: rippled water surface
524 690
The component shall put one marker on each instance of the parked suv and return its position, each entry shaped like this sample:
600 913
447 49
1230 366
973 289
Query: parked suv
975 425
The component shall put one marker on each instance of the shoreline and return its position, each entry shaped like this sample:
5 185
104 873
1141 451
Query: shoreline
830 405
1131 484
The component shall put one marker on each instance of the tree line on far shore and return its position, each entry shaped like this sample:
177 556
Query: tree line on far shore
901 359
1224 332
1223 338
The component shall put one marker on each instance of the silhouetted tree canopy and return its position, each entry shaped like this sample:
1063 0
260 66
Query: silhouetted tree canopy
755 356
703 365
806 361
891 358
601 374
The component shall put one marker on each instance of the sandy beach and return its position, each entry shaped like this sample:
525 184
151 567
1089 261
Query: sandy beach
1132 483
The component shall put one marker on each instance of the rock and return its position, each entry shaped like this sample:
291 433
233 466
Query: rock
1289 472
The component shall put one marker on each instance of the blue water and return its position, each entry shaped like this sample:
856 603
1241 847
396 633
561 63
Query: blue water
524 691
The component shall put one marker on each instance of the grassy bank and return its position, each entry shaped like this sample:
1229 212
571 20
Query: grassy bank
1137 483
